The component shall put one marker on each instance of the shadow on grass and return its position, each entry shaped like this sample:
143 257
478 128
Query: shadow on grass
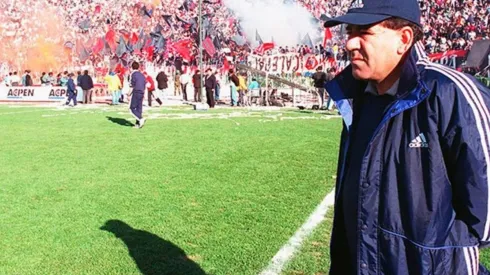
152 254
120 121
321 112
304 112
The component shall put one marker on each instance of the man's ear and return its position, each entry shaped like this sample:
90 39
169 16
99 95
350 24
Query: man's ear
406 40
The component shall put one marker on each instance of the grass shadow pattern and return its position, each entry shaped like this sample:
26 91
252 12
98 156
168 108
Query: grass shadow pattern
120 121
152 254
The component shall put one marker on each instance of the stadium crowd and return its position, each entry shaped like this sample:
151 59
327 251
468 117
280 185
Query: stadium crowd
448 24
166 31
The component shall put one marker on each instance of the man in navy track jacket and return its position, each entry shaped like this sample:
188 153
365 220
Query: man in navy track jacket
412 192
138 84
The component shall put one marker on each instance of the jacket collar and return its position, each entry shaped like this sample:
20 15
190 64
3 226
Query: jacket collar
351 87
344 87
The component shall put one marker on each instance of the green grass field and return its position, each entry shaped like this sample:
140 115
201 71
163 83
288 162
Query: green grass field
83 193
215 192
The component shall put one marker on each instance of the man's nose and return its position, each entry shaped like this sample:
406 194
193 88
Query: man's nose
352 43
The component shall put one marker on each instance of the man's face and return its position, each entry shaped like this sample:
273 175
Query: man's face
373 51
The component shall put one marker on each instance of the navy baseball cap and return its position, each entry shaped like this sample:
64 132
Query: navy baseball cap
367 12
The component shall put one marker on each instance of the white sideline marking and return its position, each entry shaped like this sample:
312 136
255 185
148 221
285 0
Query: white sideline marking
287 252
21 112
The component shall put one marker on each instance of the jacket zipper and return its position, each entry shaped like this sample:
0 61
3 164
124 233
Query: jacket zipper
390 113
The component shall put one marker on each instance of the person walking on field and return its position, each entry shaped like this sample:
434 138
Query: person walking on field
162 85
413 181
138 83
71 90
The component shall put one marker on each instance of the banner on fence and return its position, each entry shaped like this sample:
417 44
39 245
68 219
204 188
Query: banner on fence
42 93
453 58
288 63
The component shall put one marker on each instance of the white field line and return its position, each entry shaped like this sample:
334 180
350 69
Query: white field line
286 253
20 112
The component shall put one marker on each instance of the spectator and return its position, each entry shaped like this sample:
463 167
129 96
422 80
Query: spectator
162 85
78 86
120 75
8 80
185 78
210 85
58 80
448 25
15 79
242 89
28 79
320 79
234 84
87 84
150 87
64 79
113 86
196 81
178 85
24 78
44 79
51 79
218 87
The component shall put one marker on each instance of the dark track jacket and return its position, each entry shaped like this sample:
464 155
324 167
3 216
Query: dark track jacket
424 198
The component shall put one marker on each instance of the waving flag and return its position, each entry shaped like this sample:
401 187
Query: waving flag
265 47
149 53
307 41
160 45
209 46
328 36
147 12
168 19
182 47
99 46
84 55
141 41
110 37
239 40
226 64
258 38
121 48
134 39
217 43
126 35
107 49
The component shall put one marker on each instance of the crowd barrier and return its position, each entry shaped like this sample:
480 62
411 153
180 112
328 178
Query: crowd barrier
45 93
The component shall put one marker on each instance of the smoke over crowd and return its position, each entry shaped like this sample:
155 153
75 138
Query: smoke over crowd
32 37
286 22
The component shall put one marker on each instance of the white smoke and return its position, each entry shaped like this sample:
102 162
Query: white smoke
288 23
